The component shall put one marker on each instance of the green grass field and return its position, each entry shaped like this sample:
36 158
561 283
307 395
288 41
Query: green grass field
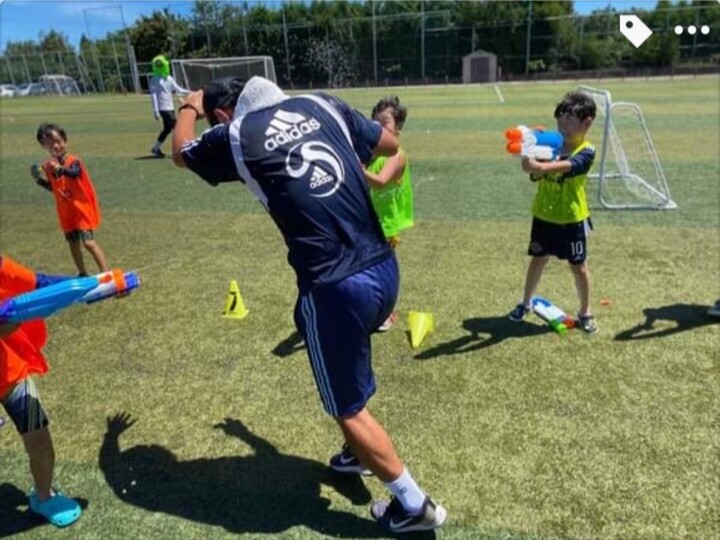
521 434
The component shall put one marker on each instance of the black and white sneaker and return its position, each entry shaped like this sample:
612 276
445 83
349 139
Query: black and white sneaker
392 516
346 462
157 153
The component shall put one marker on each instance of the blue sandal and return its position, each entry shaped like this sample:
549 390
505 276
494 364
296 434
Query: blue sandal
58 509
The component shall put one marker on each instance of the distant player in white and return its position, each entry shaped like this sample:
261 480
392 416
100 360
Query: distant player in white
162 87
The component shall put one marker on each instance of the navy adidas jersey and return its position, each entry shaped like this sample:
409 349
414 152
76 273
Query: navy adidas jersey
302 159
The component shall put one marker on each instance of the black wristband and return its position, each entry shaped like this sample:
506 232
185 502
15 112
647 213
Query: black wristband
192 107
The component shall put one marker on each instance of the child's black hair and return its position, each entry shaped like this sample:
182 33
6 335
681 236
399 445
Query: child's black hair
392 105
45 131
577 104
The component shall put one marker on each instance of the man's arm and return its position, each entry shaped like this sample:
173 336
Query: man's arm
387 145
369 139
190 111
210 155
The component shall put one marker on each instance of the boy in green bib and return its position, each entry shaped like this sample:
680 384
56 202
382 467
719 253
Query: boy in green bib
561 218
389 179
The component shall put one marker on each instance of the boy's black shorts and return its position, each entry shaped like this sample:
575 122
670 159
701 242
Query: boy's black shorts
566 242
23 405
79 235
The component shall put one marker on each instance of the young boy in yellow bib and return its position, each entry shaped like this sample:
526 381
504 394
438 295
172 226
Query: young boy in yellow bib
390 184
561 218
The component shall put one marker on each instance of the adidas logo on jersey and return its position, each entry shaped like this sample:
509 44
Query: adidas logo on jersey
320 177
287 127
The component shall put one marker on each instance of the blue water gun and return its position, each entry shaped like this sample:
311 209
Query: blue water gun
47 301
535 143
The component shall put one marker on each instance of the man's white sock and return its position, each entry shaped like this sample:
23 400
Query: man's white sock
406 489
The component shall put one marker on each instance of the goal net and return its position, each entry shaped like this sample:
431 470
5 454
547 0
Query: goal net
59 85
194 73
628 172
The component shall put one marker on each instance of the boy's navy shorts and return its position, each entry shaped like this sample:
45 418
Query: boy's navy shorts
567 242
336 321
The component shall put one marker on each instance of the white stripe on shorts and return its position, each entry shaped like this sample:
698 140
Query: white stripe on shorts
316 358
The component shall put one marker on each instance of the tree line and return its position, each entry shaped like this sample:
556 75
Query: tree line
351 42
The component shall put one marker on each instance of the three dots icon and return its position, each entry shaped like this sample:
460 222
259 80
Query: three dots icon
692 30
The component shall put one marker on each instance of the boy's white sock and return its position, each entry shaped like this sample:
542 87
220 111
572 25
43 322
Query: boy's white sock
156 146
407 490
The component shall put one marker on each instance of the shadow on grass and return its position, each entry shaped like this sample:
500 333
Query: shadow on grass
267 492
13 519
149 156
484 332
685 317
290 345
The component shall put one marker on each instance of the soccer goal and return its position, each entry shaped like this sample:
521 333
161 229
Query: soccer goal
59 85
629 172
194 73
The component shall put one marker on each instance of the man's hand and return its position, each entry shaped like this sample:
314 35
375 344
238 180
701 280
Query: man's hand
194 100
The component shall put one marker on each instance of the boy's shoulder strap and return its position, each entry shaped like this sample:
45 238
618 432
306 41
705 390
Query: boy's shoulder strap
582 146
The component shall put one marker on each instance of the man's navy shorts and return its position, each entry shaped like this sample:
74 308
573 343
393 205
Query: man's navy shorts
336 322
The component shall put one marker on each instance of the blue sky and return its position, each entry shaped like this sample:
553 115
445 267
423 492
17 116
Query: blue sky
25 19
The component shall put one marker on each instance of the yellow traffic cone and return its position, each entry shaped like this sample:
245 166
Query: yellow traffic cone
234 305
421 324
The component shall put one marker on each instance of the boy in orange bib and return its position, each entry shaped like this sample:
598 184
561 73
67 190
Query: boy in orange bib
77 205
21 357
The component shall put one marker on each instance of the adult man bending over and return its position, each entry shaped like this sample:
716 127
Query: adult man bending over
301 156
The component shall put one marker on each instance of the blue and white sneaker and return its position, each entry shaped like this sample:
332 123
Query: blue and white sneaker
346 462
392 516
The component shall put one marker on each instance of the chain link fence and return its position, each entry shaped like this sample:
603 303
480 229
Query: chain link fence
405 48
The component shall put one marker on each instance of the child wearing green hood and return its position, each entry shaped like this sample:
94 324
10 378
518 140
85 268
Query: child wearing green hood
162 86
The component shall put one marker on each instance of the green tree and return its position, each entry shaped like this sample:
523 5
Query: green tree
161 32
54 41
16 48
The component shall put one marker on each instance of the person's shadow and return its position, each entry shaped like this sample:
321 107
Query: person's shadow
150 157
484 332
267 492
13 519
290 345
685 317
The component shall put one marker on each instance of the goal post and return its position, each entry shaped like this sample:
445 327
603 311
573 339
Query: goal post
194 73
59 85
628 171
